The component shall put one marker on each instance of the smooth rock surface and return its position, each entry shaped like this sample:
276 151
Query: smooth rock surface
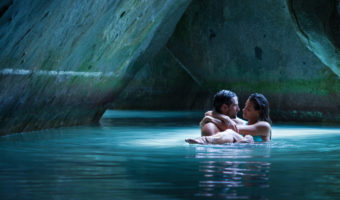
62 62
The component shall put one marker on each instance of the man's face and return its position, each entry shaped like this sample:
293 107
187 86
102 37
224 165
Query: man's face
232 110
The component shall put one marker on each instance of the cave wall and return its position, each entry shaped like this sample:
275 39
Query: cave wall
246 46
62 62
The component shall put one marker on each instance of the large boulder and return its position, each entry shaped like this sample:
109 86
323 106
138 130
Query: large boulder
62 62
246 46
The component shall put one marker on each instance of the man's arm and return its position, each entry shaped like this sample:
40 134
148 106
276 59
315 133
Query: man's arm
258 129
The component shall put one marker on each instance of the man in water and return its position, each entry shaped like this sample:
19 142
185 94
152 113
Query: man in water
223 116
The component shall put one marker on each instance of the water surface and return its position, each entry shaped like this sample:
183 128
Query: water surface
142 155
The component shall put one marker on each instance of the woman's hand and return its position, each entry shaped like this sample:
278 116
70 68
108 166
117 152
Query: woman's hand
218 123
228 123
205 120
223 122
208 113
232 125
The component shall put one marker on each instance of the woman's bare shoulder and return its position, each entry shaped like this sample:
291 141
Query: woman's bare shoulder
263 125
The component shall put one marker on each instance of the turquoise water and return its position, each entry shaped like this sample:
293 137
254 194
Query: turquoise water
142 155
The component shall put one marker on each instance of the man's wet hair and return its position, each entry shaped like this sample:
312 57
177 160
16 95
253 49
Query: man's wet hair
223 97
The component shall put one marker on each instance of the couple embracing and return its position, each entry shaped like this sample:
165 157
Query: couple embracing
223 126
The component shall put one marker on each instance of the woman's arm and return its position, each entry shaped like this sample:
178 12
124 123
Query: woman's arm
258 129
227 123
219 124
223 118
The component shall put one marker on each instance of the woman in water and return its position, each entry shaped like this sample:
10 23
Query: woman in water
258 128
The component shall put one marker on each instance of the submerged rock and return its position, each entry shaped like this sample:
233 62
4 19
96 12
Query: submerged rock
62 62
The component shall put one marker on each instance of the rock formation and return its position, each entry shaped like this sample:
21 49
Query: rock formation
62 62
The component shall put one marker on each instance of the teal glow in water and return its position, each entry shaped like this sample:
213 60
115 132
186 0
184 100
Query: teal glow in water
142 155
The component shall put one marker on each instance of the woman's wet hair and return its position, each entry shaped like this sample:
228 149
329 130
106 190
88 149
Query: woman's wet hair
223 97
261 103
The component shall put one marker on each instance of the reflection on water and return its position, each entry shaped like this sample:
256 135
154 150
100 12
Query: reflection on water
142 155
225 171
222 178
233 151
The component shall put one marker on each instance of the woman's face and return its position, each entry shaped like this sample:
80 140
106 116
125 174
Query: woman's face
249 112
